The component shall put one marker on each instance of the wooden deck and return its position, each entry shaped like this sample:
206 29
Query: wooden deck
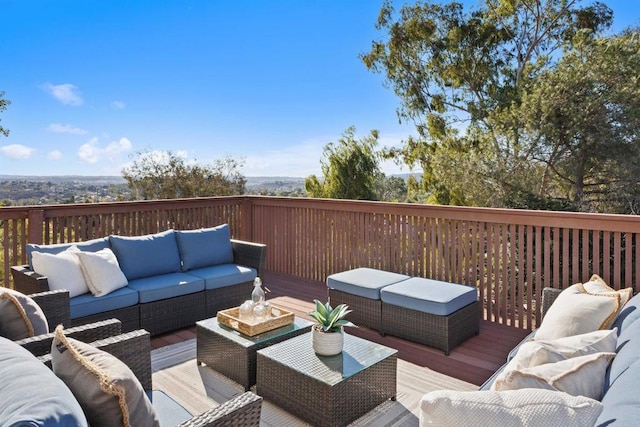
473 361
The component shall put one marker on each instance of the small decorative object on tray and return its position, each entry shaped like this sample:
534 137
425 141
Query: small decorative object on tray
251 327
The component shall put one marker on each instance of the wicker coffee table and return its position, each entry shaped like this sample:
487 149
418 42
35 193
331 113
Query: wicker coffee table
227 351
327 390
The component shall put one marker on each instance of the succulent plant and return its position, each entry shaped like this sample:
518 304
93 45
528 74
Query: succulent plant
331 319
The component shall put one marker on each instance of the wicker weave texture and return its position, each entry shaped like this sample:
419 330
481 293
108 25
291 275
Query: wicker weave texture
227 297
443 332
365 311
55 306
129 316
241 411
41 344
306 384
172 313
231 359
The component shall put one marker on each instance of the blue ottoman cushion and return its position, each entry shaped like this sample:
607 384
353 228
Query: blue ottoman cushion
86 304
429 296
32 395
166 286
364 282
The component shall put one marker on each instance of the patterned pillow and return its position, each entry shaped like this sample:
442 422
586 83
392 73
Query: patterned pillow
107 390
20 316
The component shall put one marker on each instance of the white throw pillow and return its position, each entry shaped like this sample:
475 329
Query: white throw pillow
528 407
102 271
578 376
62 271
576 311
534 353
597 286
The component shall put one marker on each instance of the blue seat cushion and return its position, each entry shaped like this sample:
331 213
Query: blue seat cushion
166 286
621 401
205 247
429 296
94 245
169 412
364 282
32 395
86 304
220 276
148 255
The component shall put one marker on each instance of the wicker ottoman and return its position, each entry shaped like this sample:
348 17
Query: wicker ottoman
360 290
438 314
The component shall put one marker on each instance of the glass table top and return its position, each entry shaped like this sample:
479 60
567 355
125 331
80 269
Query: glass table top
247 341
357 355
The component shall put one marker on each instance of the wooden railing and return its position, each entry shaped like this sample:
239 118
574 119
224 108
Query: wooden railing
510 255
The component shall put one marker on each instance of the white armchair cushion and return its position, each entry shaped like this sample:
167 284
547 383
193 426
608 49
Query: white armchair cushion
516 408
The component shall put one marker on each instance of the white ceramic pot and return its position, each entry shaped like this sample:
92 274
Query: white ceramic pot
327 343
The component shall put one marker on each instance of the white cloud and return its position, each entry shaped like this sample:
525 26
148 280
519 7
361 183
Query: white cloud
118 105
60 128
17 151
54 155
92 152
67 93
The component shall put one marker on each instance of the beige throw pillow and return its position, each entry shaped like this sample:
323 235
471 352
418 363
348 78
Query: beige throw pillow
534 353
101 271
527 407
20 316
108 392
597 286
576 311
62 271
578 376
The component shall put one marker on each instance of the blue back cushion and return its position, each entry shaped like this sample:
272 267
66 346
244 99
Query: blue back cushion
89 246
205 247
148 255
31 393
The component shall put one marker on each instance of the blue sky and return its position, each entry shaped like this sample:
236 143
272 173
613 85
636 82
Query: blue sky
270 82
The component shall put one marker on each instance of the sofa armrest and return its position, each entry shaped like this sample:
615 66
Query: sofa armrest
243 410
249 254
28 281
549 295
55 306
41 344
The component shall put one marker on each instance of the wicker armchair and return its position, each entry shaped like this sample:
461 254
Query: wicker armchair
134 349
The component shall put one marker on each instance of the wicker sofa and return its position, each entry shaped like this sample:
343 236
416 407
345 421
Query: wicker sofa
174 278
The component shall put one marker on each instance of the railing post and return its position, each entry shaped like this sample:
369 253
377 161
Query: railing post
36 222
246 228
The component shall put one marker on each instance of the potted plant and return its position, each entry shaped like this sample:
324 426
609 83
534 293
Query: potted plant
327 334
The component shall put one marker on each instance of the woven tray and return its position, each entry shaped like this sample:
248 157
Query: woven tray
231 318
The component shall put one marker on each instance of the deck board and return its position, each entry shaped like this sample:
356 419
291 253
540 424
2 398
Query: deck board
473 361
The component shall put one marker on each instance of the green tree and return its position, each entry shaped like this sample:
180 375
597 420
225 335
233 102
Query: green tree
582 118
391 188
350 168
459 74
3 106
165 175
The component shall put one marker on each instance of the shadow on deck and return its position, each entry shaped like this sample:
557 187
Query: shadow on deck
473 361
